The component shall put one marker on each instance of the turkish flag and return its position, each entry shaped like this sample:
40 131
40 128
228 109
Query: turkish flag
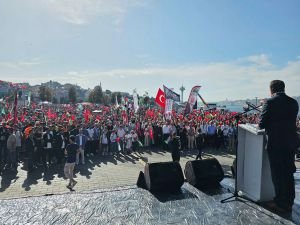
160 98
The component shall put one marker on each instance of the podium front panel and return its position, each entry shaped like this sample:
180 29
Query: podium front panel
252 166
253 170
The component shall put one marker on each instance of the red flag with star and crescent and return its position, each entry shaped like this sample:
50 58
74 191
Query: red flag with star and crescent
160 98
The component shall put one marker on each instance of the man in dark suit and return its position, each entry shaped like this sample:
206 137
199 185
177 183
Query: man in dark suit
59 145
48 147
279 120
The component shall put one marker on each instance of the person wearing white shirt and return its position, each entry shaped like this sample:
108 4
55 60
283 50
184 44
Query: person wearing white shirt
166 135
135 140
225 134
166 129
203 127
94 140
121 135
172 129
90 132
231 142
89 144
104 142
147 137
191 137
128 140
113 142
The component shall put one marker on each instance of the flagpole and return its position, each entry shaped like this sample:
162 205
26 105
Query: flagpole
15 107
203 100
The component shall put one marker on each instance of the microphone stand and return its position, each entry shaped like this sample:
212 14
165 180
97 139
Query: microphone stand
253 107
235 195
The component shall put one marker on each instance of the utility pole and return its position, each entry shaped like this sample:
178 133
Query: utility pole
182 89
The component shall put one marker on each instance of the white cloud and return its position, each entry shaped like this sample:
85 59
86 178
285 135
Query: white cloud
219 80
260 60
143 56
72 73
83 11
20 64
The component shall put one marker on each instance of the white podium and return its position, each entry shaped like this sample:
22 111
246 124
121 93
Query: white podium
253 168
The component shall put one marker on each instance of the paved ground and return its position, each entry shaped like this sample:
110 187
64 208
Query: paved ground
100 172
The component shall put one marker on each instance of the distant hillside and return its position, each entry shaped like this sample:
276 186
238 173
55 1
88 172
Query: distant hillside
62 90
243 101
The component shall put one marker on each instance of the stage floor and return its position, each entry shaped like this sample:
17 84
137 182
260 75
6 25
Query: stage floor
132 205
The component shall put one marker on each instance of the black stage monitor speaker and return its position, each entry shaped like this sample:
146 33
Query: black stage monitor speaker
163 177
204 173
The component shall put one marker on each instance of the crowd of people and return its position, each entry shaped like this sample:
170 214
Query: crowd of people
42 133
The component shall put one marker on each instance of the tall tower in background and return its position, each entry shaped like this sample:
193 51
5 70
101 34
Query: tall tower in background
182 89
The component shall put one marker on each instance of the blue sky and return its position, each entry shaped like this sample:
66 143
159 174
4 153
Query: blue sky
233 49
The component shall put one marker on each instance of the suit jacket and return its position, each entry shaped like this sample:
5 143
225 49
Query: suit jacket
85 132
279 120
29 145
46 139
11 143
57 141
96 134
84 140
74 132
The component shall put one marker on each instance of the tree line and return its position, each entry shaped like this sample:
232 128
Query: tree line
95 95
